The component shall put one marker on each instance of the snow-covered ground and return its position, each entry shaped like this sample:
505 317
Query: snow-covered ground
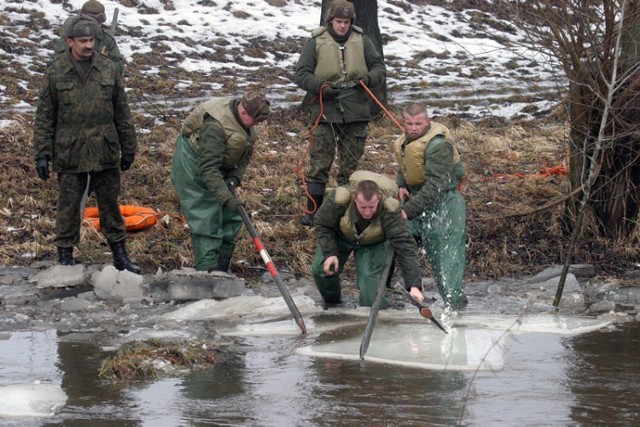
460 62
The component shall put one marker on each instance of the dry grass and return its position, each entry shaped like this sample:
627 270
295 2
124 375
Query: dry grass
498 244
152 359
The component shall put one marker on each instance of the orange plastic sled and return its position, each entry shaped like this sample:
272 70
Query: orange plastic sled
135 217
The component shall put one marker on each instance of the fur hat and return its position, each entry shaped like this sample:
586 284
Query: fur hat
80 26
256 105
341 9
95 9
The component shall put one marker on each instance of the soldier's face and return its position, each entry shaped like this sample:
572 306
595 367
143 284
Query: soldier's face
245 118
341 25
414 126
366 208
81 47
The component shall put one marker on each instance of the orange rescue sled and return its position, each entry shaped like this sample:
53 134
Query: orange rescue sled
136 218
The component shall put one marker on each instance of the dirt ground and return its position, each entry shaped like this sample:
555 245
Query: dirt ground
515 224
503 184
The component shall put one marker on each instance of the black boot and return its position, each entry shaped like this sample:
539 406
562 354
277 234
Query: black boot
65 256
121 260
308 219
224 262
316 193
331 302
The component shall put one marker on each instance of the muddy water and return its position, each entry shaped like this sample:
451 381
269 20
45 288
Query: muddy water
544 379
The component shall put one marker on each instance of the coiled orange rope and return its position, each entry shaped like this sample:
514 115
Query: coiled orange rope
299 169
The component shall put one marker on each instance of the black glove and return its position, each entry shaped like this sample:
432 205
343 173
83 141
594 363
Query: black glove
42 166
330 90
126 161
233 204
232 183
365 79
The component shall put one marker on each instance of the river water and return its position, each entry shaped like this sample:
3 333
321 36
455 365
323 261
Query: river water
532 378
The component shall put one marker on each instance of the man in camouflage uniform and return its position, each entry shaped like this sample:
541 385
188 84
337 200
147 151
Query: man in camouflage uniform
363 220
104 42
331 66
84 127
430 172
211 156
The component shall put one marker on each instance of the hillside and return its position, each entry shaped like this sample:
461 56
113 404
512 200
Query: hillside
506 119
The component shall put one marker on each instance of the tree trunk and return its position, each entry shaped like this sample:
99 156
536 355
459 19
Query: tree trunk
367 19
615 196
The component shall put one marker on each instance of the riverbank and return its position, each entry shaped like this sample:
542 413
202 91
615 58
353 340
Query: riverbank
85 307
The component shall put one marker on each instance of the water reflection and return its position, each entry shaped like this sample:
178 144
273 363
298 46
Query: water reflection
544 379
89 398
604 377
530 389
158 403
377 394
29 355
416 345
217 395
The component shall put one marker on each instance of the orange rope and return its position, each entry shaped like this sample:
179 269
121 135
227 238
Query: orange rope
545 172
382 106
300 168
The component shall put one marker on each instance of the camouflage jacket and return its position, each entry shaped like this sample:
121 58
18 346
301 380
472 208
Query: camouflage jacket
104 43
330 238
83 127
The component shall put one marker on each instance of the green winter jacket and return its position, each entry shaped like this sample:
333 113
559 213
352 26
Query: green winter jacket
329 223
219 146
104 43
322 60
442 171
83 127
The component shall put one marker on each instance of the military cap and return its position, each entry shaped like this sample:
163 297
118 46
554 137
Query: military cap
256 105
95 9
80 26
341 9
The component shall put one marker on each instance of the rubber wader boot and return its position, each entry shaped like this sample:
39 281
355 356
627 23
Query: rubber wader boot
331 303
121 260
224 262
460 304
65 256
316 193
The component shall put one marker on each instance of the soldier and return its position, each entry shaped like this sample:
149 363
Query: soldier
104 43
331 66
363 219
211 156
429 174
83 126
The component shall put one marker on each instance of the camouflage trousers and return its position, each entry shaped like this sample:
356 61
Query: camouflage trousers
71 187
345 139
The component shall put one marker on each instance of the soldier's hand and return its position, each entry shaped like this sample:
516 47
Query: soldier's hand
365 79
232 183
42 166
233 204
329 90
403 194
126 161
331 265
416 293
